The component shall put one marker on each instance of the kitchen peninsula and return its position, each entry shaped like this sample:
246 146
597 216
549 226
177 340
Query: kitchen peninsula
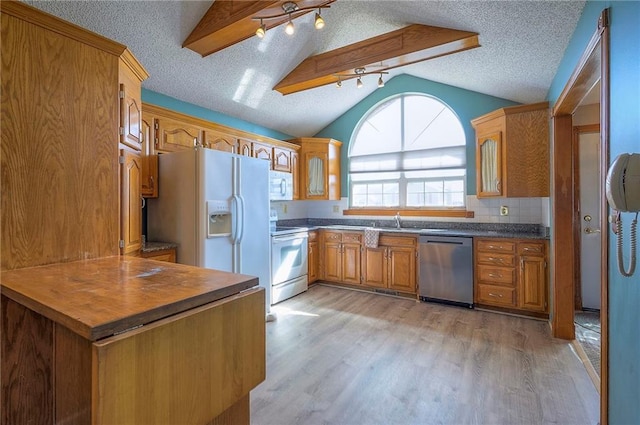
129 340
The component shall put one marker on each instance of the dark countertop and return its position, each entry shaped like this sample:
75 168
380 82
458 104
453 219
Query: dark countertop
152 246
100 297
474 230
446 232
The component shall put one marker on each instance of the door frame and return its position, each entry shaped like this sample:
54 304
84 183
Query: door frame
577 223
592 67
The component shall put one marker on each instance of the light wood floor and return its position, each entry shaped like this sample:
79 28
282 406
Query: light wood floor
336 356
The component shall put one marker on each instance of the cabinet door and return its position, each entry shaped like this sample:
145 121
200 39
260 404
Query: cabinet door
313 261
282 159
316 183
351 255
172 136
402 269
245 147
295 175
130 200
261 151
532 291
149 177
489 165
130 114
219 141
374 267
332 262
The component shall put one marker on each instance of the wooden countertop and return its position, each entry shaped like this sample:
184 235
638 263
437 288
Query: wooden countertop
98 298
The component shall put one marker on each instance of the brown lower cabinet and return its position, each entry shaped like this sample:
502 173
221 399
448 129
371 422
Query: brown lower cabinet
512 274
392 265
314 256
168 255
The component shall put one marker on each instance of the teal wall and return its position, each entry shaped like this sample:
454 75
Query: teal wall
467 104
624 136
164 101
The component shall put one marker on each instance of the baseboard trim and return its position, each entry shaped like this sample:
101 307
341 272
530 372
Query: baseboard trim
595 378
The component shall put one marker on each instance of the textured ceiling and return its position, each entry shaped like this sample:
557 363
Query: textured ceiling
522 43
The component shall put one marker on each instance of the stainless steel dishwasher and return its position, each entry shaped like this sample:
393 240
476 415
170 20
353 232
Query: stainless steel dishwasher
446 269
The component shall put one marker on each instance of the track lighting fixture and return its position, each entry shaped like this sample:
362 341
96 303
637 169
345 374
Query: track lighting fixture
359 73
292 11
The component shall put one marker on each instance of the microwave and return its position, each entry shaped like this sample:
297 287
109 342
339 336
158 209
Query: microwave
280 186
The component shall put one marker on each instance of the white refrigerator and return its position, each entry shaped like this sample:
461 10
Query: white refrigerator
215 206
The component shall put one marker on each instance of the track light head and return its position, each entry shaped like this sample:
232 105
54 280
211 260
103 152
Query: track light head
262 29
319 22
380 81
359 83
289 29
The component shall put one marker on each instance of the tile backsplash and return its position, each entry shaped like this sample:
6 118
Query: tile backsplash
520 210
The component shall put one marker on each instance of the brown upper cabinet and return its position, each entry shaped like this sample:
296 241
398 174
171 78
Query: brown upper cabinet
149 178
319 168
173 131
282 159
220 141
263 151
172 135
512 152
130 76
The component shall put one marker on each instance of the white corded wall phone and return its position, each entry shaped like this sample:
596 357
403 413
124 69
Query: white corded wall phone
623 193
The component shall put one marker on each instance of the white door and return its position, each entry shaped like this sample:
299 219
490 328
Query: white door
215 183
255 242
590 199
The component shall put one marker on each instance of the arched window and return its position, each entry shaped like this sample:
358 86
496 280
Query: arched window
408 152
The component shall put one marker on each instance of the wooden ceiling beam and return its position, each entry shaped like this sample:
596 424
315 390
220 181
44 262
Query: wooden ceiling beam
405 46
228 22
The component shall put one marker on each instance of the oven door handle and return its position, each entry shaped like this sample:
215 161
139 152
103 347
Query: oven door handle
280 239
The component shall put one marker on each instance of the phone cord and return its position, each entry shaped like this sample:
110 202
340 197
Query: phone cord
632 266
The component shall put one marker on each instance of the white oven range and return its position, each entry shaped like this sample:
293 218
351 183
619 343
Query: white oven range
289 267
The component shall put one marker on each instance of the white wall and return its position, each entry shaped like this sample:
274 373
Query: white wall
521 210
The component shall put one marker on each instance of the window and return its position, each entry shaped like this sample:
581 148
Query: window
408 152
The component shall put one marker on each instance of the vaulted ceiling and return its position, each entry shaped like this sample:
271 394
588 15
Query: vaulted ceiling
522 43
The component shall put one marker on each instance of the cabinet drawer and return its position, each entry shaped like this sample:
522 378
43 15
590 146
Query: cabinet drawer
496 259
496 295
330 236
397 241
497 275
352 237
494 245
531 248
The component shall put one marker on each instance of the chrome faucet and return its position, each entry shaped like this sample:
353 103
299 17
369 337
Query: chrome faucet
397 217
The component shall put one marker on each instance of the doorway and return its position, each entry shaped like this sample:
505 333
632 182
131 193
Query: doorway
593 67
587 287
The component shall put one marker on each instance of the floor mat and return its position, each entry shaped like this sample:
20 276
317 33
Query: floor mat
588 334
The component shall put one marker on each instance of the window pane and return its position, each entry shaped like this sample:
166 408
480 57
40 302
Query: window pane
374 176
430 123
381 131
454 186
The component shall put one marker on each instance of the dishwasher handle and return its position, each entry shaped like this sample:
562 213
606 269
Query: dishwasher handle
448 240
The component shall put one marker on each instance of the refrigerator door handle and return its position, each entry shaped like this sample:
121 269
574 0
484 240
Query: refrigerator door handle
234 219
240 223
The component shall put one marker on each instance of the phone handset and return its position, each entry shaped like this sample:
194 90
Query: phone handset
623 194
